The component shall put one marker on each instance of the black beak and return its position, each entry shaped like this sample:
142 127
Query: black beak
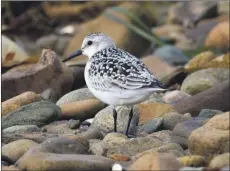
77 53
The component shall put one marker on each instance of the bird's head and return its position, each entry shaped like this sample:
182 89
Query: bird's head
93 43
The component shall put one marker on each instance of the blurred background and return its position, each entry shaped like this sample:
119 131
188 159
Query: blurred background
165 35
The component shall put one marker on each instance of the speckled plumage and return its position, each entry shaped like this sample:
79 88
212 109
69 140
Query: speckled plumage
113 67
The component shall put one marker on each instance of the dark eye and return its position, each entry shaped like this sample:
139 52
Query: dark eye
89 43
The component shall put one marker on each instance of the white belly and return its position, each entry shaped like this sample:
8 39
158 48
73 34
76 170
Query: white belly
118 98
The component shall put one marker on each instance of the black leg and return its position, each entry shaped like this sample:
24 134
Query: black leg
130 118
115 119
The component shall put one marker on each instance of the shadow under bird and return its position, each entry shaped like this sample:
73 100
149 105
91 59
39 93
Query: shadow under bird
114 76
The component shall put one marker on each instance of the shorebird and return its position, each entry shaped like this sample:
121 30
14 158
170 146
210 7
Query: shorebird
114 76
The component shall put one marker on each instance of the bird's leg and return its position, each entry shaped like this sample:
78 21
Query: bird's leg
115 119
130 118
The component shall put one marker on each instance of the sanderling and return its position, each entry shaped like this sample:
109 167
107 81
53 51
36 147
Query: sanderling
114 76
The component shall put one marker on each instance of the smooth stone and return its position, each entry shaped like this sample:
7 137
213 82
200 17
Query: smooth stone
81 110
16 102
27 77
97 147
199 61
204 79
153 125
156 161
10 168
103 120
218 37
114 137
222 61
193 161
35 136
16 149
49 94
171 148
208 113
63 154
76 95
216 98
38 113
220 161
183 130
73 124
171 55
133 146
212 138
172 97
173 118
17 129
151 110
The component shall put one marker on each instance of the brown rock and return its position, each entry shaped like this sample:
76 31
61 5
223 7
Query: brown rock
222 61
216 98
152 110
156 161
199 61
126 39
18 101
119 157
49 72
157 66
218 37
16 149
81 110
62 154
212 138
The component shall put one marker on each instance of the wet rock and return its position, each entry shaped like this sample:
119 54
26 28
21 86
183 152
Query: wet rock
172 118
81 110
103 120
49 69
199 61
155 161
182 131
49 94
220 161
76 95
16 149
218 37
212 138
61 154
216 98
153 125
171 148
204 79
208 113
157 66
14 103
38 113
17 129
151 110
130 42
171 55
172 97
193 161
133 146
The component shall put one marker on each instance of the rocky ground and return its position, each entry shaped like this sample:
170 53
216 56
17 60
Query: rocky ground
51 121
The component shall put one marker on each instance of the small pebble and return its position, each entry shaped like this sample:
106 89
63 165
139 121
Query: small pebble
73 124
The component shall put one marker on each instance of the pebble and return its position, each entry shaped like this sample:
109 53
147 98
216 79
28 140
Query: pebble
172 97
193 161
220 161
208 113
73 124
153 125
38 113
16 149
